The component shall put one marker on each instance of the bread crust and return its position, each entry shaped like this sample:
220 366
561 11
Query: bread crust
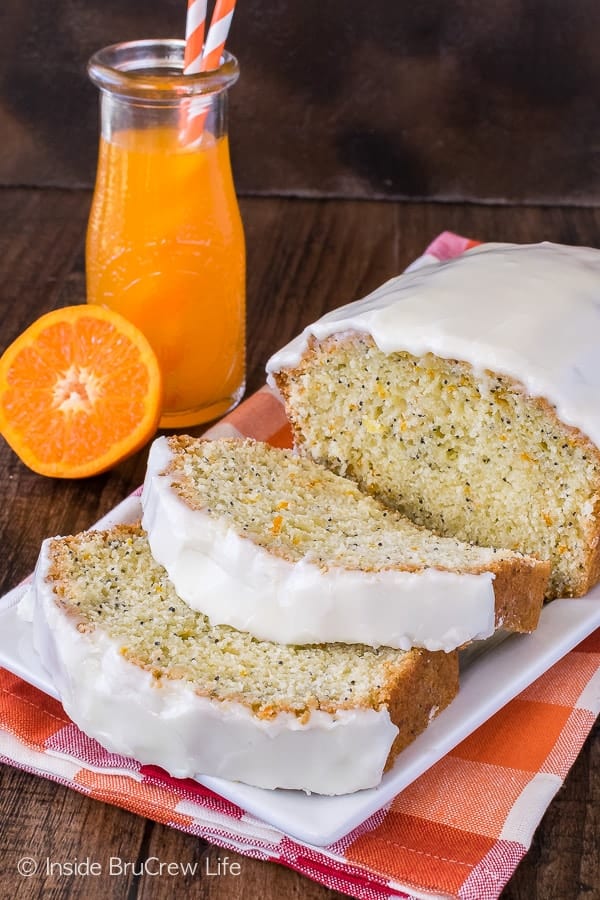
429 685
518 587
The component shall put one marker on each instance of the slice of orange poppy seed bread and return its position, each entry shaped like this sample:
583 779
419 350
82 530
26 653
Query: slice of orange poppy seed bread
267 542
147 676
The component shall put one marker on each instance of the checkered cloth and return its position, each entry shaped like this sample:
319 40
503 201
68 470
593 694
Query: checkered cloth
459 830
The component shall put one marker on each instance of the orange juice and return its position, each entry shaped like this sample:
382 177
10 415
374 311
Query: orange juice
165 248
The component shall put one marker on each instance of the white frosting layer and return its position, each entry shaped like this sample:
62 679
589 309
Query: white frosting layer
235 582
529 311
167 724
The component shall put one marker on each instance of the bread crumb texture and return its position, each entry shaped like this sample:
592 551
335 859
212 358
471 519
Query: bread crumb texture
466 455
299 510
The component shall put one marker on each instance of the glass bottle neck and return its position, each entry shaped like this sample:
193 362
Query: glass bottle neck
143 87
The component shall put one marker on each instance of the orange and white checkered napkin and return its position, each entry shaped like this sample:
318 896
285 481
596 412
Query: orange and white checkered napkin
459 830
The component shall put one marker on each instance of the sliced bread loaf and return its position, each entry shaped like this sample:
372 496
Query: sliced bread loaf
146 676
276 545
466 395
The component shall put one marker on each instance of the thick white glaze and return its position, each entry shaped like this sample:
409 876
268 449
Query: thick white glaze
529 311
235 582
168 724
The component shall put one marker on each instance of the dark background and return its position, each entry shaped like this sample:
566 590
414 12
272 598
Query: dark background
495 101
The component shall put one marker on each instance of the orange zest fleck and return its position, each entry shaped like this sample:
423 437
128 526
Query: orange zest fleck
80 390
276 524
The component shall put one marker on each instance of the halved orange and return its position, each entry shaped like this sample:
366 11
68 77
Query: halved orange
80 390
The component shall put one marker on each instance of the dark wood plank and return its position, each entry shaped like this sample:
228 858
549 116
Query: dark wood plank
469 100
303 257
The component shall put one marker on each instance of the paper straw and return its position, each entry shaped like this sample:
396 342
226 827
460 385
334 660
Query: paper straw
197 110
217 34
194 36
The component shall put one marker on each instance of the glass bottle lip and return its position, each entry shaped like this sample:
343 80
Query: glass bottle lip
132 69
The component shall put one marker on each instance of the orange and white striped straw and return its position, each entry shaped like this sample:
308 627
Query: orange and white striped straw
198 60
195 26
217 34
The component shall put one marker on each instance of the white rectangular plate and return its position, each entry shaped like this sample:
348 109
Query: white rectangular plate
489 679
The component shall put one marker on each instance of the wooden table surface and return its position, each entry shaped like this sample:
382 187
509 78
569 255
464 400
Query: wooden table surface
304 257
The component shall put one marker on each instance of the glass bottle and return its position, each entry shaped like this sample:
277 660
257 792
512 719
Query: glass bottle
165 243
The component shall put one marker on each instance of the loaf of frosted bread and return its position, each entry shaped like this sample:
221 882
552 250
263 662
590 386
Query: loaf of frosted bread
276 545
146 676
466 394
